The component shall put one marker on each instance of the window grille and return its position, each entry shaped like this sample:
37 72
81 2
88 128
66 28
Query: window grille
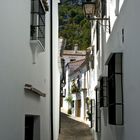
103 92
98 36
93 113
115 90
104 8
98 113
37 30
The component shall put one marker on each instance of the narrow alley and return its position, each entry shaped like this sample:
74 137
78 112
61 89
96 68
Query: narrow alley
73 129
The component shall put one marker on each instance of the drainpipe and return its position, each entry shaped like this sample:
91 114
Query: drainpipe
51 66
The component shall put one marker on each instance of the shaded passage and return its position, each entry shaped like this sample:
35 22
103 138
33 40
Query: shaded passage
73 129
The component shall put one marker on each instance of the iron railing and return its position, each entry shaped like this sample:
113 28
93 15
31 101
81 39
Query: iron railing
37 30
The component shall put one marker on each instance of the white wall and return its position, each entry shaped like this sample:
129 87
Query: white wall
16 69
129 21
69 78
65 103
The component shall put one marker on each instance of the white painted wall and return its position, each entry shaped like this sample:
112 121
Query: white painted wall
65 103
82 115
67 59
16 69
128 20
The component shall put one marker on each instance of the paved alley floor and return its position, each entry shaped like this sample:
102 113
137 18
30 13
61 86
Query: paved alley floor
73 129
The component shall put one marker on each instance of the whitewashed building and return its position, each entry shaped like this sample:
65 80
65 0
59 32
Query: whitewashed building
80 83
117 69
86 75
77 88
25 58
69 56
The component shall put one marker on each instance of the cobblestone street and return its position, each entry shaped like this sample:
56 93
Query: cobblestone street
73 129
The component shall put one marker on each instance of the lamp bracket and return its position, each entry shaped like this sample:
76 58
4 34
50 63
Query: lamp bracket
99 18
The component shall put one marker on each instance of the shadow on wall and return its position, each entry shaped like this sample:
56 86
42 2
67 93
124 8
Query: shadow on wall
117 132
32 96
105 114
96 136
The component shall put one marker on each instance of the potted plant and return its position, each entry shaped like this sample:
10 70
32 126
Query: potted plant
89 115
69 100
74 87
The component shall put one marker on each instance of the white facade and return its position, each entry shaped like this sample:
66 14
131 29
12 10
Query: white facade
82 99
17 69
69 56
123 39
80 110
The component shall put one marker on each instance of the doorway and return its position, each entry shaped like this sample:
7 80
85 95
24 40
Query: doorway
32 127
78 108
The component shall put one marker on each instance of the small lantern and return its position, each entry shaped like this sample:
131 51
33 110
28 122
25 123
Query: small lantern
89 8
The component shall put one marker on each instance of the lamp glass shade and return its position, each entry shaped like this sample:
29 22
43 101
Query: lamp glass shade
89 9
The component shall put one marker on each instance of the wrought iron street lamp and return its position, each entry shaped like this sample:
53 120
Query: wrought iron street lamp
90 9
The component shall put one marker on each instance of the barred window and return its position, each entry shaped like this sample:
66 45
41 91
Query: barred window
103 92
37 30
98 36
115 89
98 112
104 8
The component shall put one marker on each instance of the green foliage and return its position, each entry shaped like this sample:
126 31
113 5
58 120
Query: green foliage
69 111
69 99
87 100
73 26
74 88
89 115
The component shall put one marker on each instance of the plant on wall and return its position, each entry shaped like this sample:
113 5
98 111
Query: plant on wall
69 99
89 115
88 101
74 87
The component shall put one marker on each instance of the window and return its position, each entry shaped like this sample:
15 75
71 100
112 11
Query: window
93 113
37 30
98 113
72 104
63 80
103 8
122 35
115 89
78 82
98 36
103 92
72 60
117 8
64 93
91 58
29 126
32 127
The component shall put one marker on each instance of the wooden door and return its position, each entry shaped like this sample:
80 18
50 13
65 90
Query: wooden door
78 108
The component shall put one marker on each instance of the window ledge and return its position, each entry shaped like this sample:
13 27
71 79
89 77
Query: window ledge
31 89
37 44
36 47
